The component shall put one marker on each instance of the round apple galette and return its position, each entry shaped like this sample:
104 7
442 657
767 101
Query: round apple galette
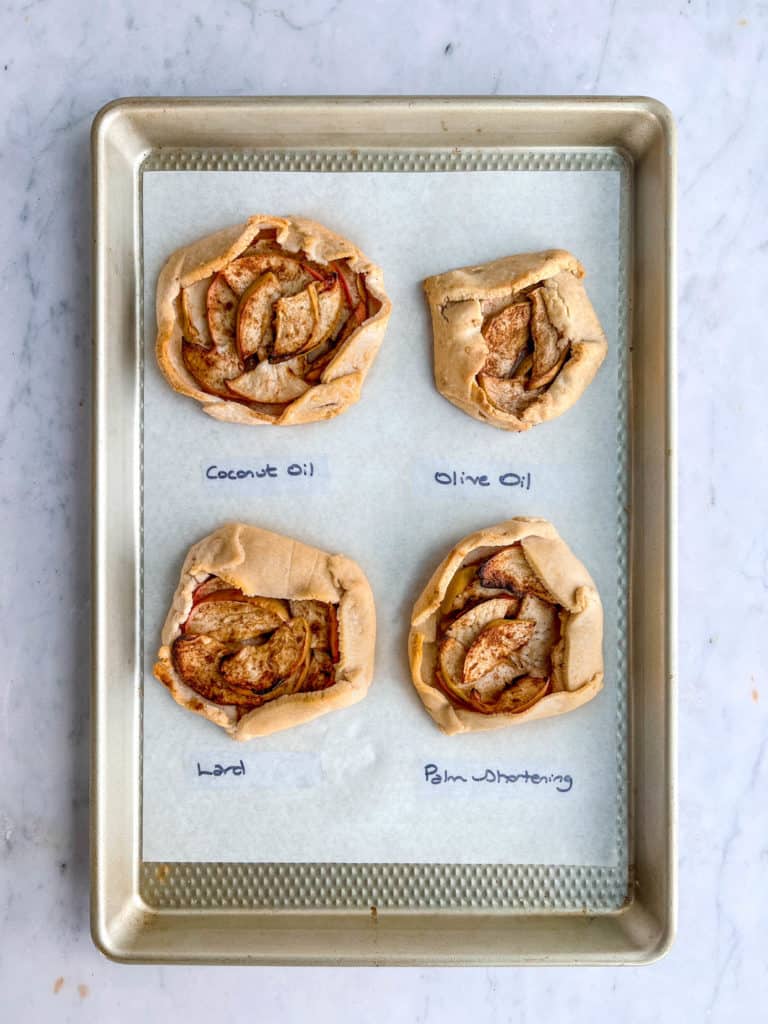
516 341
509 629
265 633
273 321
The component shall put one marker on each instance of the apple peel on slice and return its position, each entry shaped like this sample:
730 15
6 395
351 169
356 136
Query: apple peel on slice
194 313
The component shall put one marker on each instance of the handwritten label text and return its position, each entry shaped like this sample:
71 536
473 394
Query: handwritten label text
273 770
218 769
434 775
279 475
463 478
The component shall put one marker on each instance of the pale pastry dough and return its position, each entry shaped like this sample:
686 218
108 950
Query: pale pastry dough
283 573
516 341
539 580
276 320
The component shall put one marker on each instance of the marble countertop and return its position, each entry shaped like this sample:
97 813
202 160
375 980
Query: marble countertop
60 63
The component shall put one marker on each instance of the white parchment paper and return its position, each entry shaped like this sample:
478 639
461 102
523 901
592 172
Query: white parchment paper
354 786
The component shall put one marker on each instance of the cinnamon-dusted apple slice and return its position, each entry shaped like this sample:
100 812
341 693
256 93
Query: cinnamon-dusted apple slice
549 346
476 592
510 569
510 395
196 661
535 658
277 290
318 617
516 341
522 694
305 321
483 689
294 322
194 313
320 674
265 633
221 312
254 316
228 620
507 334
493 647
468 626
505 660
260 668
213 367
242 273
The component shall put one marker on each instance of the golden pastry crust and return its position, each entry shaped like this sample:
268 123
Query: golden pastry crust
463 301
259 562
337 381
577 661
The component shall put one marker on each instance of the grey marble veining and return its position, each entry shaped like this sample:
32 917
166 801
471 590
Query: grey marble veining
58 64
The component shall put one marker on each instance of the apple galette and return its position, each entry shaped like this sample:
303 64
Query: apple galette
516 341
509 628
273 321
265 633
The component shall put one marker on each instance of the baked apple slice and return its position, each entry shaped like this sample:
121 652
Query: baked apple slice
254 316
494 646
213 367
242 273
194 313
509 394
271 383
507 335
549 346
221 312
510 569
231 620
285 656
468 626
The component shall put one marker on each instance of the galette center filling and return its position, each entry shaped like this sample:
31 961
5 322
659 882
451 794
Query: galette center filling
499 635
246 650
526 351
264 328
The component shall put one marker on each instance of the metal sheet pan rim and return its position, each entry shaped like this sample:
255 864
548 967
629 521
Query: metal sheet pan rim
120 924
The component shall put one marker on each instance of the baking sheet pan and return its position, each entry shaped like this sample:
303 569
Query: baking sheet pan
250 874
